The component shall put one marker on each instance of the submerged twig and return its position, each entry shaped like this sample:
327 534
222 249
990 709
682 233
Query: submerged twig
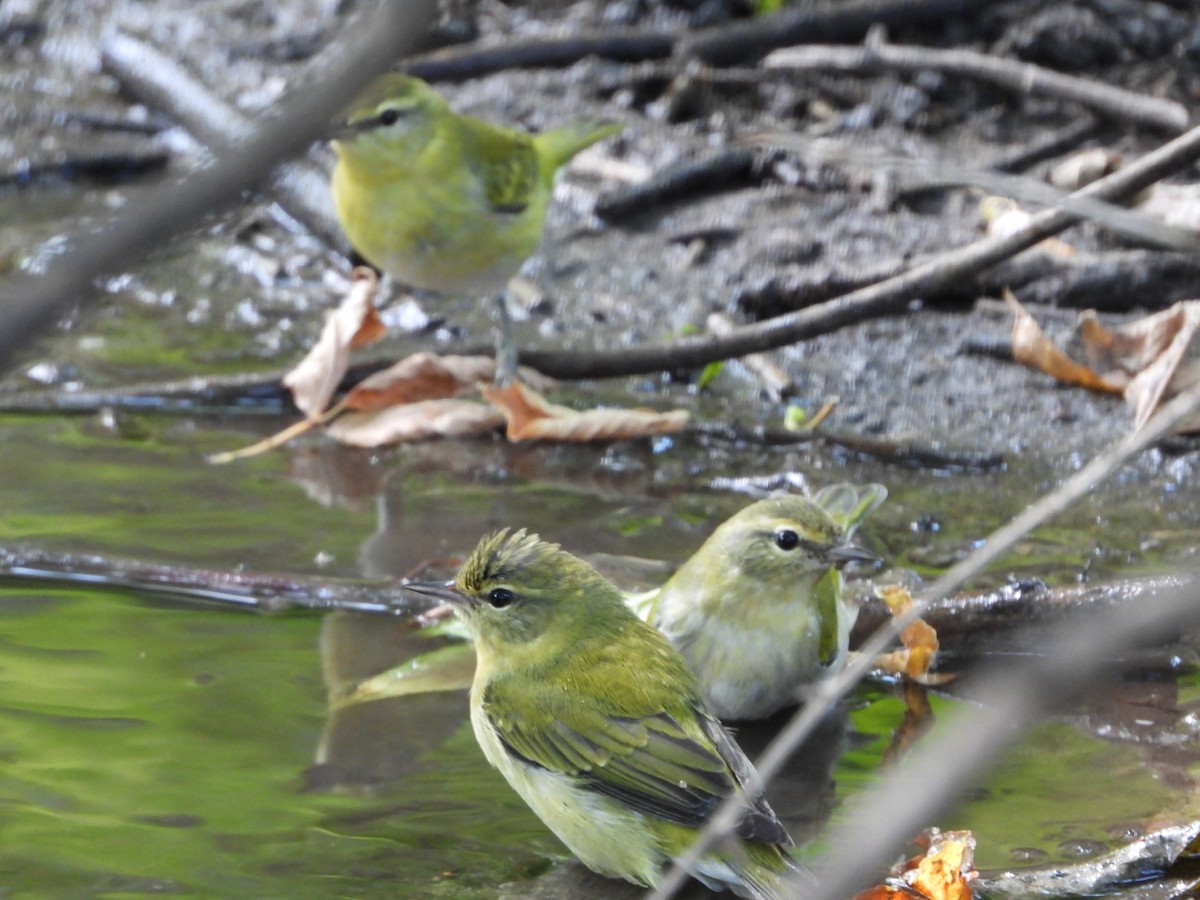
968 618
260 591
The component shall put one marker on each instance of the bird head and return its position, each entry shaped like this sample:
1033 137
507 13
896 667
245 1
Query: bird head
516 590
394 114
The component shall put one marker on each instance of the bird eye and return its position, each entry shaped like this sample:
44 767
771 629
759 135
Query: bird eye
500 597
389 116
786 539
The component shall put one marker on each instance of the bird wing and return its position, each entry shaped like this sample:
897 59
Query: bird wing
653 763
505 162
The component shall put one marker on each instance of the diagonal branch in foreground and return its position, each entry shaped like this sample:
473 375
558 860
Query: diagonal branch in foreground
1107 633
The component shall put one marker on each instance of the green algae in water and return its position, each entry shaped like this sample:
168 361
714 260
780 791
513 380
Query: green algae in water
164 748
1055 790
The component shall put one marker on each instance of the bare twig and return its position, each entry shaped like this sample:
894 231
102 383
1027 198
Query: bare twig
885 298
31 306
720 171
1017 76
853 859
775 380
921 174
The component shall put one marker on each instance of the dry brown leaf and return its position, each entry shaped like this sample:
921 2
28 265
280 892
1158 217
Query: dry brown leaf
416 422
531 417
1159 354
353 324
1032 348
422 376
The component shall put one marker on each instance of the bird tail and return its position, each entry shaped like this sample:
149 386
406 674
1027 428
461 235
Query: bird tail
557 146
756 872
770 883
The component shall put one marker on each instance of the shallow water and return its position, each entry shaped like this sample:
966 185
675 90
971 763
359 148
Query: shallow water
153 746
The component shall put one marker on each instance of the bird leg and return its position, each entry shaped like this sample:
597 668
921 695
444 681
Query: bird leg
506 344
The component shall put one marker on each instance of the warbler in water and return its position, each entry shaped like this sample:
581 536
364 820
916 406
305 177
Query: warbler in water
757 611
442 201
597 722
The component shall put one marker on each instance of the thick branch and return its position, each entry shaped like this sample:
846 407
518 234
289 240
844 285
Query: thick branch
888 297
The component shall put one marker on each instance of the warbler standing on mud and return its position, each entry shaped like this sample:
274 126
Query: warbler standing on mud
597 722
757 611
445 202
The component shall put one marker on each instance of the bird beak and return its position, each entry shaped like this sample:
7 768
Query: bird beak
841 554
442 591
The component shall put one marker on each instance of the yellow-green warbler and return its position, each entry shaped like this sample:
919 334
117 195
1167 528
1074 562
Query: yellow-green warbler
597 722
757 611
442 201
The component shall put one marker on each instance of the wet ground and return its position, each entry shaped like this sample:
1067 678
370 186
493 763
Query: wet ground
398 796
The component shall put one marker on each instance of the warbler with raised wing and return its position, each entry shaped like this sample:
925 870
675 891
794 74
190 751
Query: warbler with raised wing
442 201
597 722
757 611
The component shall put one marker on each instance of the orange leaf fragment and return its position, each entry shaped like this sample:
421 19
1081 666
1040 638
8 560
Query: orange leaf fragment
421 376
944 872
948 867
1032 348
531 417
919 637
415 422
353 324
920 640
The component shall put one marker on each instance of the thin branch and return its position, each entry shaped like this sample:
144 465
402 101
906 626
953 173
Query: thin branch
30 307
1014 75
888 297
906 816
921 174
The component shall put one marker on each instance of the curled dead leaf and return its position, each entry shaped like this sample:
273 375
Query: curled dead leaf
1032 348
531 417
421 376
353 324
416 422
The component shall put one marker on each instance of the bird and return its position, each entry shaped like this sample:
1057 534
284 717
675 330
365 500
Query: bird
757 611
445 202
597 723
